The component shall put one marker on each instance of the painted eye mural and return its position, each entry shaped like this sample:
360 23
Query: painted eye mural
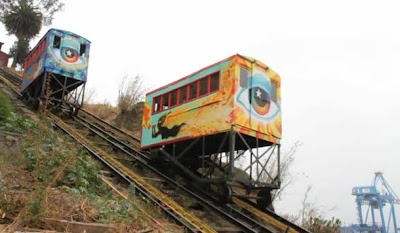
257 95
68 55
69 52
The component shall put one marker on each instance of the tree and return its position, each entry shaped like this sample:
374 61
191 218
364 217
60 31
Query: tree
47 8
286 162
130 95
130 92
90 94
25 18
19 51
312 218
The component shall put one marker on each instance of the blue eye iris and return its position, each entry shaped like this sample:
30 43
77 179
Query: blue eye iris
260 100
256 98
70 55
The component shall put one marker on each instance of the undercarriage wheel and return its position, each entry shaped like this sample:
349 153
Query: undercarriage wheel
35 104
192 164
225 193
30 101
77 111
265 199
73 112
25 98
155 155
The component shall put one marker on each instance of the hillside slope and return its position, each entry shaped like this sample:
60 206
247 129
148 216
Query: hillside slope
48 182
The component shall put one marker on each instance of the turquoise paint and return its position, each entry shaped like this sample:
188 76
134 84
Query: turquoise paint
147 138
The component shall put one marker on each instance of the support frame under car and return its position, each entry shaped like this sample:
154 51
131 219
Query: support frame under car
57 90
238 164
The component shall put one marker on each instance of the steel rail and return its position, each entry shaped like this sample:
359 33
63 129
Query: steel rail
269 216
7 81
275 220
121 132
137 179
250 224
14 78
128 180
111 138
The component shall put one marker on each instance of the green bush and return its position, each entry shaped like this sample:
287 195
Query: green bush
84 176
48 154
19 124
5 107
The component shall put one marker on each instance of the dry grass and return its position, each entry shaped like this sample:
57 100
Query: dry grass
129 121
105 111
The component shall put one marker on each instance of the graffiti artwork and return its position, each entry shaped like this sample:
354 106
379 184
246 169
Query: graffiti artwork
245 97
59 52
165 132
258 109
68 57
33 71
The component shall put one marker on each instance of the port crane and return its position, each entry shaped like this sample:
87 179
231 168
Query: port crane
371 201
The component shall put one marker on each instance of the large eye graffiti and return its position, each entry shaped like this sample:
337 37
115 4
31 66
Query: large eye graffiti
67 51
257 95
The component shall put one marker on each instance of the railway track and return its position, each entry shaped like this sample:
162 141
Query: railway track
239 219
267 216
116 132
11 80
241 214
163 201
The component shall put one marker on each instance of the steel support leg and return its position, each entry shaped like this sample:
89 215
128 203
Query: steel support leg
231 152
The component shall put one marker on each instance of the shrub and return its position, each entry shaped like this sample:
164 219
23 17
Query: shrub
83 175
19 124
318 224
5 107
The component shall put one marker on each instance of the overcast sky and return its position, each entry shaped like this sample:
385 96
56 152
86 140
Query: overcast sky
338 60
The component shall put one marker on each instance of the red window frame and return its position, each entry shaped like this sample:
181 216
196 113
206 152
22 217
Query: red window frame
186 95
178 95
189 91
176 98
207 78
162 101
216 89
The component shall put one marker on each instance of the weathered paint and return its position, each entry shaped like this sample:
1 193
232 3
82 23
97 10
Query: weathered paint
217 112
33 72
65 61
251 118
